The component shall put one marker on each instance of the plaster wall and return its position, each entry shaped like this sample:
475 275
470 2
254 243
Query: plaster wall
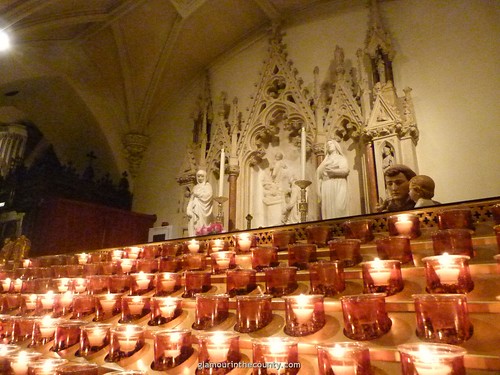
446 51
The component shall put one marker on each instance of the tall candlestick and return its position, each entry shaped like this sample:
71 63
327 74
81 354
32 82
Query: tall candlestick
222 171
303 153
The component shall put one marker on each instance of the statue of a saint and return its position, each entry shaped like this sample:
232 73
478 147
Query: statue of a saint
199 207
332 182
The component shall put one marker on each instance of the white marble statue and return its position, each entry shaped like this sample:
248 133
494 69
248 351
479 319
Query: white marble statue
332 182
199 207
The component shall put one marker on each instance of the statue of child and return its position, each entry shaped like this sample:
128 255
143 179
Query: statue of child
422 191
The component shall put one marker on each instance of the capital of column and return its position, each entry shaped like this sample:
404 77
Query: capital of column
233 170
135 145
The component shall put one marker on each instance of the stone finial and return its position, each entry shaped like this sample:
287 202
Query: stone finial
135 145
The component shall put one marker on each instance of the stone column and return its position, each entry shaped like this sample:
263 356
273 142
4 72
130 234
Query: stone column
234 172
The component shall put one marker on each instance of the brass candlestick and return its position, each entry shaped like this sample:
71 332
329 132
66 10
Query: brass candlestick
303 206
220 211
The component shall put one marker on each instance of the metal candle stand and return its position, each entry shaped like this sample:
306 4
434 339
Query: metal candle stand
303 206
220 211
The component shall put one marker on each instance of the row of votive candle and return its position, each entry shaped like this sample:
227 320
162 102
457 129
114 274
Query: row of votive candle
218 349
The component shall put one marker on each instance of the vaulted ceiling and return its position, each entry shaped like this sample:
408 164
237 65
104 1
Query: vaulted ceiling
86 72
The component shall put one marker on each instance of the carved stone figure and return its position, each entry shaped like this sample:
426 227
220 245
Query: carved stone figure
290 211
332 182
397 182
199 207
422 190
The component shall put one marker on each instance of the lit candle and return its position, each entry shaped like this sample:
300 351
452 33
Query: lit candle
19 362
194 246
302 309
135 306
80 285
66 299
427 364
168 284
167 309
96 336
31 302
404 227
6 284
244 242
222 171
83 258
243 260
446 271
303 153
127 343
133 252
342 366
218 348
126 265
174 340
108 304
116 255
217 244
18 283
62 285
26 263
142 280
223 263
278 356
48 300
380 275
47 327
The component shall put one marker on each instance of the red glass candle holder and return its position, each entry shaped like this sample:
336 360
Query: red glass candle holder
169 264
348 251
279 354
404 225
304 314
142 283
453 241
253 312
419 358
117 254
135 308
40 285
280 280
76 368
133 252
365 316
150 252
44 330
194 262
6 285
83 305
243 260
147 265
164 310
382 276
28 303
217 244
109 268
196 282
120 284
82 258
11 302
171 348
244 242
79 285
300 255
318 234
240 281
126 266
94 337
98 257
360 229
395 247
126 340
107 306
23 329
20 360
92 269
495 212
7 328
45 366
98 284
458 218
344 358
67 334
282 238
167 283
448 274
327 278
442 318
264 257
222 261
210 310
45 303
63 284
218 347
193 246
